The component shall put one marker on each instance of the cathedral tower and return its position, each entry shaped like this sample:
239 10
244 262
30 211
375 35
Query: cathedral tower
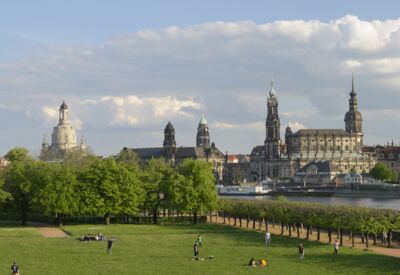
169 142
203 135
273 140
353 118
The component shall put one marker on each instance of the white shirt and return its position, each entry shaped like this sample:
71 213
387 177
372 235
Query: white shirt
267 236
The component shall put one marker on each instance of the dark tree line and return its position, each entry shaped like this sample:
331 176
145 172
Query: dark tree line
87 185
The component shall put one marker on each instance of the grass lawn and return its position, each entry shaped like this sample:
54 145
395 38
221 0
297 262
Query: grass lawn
149 249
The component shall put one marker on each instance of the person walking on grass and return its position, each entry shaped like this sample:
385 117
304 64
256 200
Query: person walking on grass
199 241
335 247
110 243
301 252
196 251
267 238
14 269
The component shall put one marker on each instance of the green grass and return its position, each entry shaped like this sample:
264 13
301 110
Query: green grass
148 249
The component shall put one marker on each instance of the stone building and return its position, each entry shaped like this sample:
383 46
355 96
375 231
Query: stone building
63 138
388 154
342 149
173 154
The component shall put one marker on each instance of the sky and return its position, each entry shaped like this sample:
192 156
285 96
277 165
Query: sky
126 68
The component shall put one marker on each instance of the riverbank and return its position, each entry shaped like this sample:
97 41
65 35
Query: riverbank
378 202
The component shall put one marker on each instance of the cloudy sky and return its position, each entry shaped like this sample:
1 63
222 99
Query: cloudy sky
126 68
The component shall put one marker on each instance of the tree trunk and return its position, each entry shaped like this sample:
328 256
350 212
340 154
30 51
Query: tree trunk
298 230
282 225
318 233
224 218
330 234
240 221
260 224
375 239
366 241
155 216
341 237
273 223
389 238
59 220
362 237
107 218
234 221
308 232
311 229
229 219
194 217
247 221
290 230
337 233
210 216
254 223
350 235
352 239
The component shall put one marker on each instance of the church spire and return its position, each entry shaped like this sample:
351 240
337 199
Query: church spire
272 92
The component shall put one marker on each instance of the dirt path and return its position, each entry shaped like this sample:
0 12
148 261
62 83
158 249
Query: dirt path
52 232
276 230
49 231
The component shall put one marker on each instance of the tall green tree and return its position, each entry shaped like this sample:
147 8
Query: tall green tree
55 190
109 188
157 181
18 181
18 154
199 186
381 172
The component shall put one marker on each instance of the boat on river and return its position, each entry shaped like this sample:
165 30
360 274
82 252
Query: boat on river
243 190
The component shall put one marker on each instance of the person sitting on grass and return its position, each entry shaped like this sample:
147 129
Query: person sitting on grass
14 269
252 263
262 262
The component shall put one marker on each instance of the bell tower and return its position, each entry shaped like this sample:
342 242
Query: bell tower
169 142
203 134
353 118
272 125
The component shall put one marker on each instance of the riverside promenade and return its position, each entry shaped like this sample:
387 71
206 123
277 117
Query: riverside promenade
275 229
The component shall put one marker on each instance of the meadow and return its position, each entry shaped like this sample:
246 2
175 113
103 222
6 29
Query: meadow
168 249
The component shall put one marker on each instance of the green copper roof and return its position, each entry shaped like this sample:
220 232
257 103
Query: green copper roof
272 91
203 120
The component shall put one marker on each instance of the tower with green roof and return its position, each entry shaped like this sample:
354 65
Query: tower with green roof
203 134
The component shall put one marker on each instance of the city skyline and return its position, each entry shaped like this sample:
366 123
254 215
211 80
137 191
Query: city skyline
124 82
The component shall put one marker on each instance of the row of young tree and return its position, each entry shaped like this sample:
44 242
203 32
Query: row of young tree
342 219
87 185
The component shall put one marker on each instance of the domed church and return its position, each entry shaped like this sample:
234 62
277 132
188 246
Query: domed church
63 138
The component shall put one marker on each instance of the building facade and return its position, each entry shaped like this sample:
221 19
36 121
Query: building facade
338 149
63 138
173 154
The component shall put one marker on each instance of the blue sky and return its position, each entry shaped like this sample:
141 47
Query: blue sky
126 68
89 21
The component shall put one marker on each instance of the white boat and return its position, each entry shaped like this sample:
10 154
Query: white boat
238 190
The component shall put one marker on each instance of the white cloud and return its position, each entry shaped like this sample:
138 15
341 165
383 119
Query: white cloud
144 79
132 110
238 126
50 113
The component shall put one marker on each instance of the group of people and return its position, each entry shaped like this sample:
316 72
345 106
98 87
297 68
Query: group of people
261 263
91 237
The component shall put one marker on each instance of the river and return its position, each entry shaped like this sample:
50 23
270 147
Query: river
367 202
